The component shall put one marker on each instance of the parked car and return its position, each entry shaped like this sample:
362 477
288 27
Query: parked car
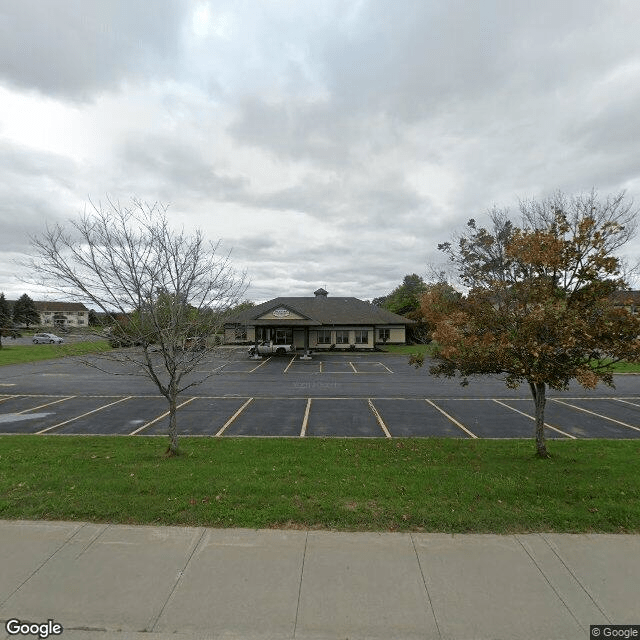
268 348
47 338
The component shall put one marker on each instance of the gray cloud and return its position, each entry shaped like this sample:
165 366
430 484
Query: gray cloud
330 143
75 48
170 165
35 189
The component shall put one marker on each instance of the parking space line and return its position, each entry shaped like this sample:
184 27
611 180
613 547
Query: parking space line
290 363
633 404
320 366
593 413
164 415
522 413
383 426
446 415
385 366
88 413
305 420
5 398
233 417
261 364
354 369
46 404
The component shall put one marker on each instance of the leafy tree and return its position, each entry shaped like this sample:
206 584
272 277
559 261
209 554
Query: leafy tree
159 286
241 306
25 312
379 302
539 307
406 297
405 301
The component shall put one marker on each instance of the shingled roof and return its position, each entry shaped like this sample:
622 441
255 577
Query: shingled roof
320 310
45 305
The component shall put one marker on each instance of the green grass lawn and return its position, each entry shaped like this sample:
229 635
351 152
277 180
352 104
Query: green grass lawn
427 349
18 354
442 485
626 367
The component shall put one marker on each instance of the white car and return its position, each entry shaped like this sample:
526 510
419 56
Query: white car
47 338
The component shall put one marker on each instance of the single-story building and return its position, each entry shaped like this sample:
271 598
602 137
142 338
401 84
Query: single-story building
318 322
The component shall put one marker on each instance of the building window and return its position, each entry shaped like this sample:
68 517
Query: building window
324 336
262 334
362 336
384 334
284 336
241 333
342 337
80 321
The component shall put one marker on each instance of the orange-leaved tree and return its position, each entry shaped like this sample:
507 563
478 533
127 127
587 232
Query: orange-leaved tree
542 302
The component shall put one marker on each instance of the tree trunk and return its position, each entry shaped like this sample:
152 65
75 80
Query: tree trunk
172 449
538 391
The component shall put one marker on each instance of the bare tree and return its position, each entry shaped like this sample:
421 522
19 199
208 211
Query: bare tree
166 290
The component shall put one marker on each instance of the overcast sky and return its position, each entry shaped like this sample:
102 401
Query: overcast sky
330 143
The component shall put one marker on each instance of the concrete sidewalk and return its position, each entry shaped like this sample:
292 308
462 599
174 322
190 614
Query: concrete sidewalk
150 583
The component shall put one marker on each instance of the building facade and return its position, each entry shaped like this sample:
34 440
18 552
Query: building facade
318 323
56 314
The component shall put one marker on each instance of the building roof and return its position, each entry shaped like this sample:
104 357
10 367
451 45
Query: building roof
43 305
320 310
60 306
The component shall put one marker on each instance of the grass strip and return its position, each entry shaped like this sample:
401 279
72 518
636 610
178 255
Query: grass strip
20 354
443 485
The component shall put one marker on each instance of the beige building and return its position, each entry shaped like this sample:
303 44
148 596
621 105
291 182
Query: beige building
68 314
318 322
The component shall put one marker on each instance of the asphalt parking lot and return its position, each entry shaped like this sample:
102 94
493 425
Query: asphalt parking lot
354 395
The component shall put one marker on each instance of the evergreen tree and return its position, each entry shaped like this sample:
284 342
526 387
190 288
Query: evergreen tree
5 316
5 312
25 312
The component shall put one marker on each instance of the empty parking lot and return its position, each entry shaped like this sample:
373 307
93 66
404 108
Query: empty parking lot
354 395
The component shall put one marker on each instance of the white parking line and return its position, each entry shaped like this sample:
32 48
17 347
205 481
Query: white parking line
164 415
5 398
522 413
88 413
446 415
305 420
260 365
593 413
290 363
46 404
354 369
383 426
633 404
233 417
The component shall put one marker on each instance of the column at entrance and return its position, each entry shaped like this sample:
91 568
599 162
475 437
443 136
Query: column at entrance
307 354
